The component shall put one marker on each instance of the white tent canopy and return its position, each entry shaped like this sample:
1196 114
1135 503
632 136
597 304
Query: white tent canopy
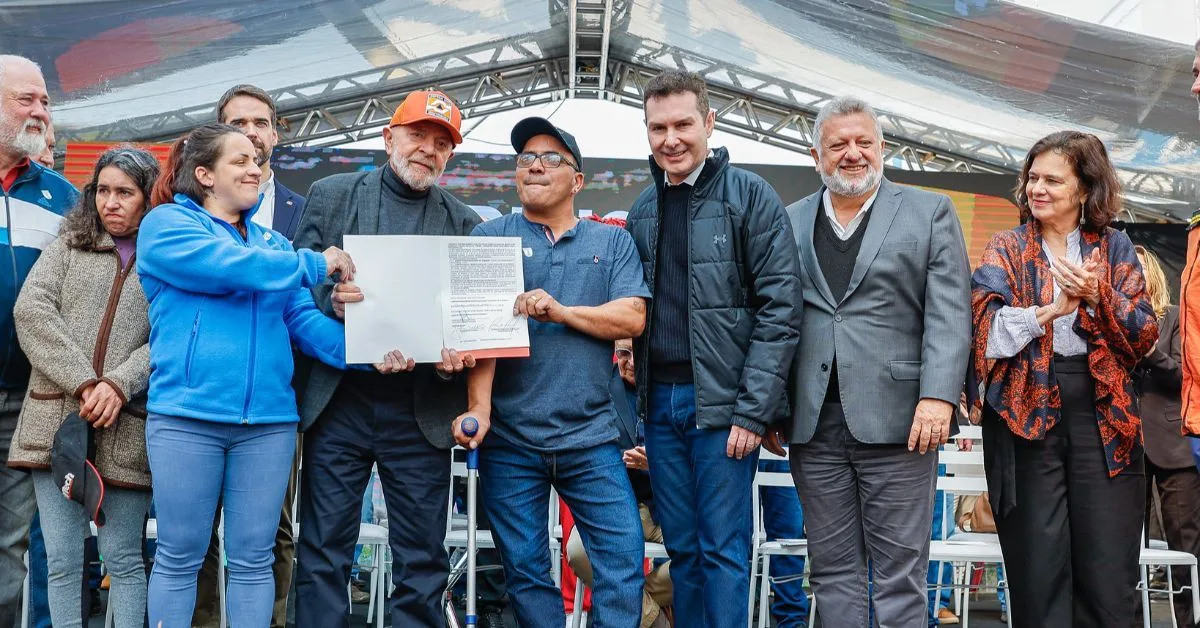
961 84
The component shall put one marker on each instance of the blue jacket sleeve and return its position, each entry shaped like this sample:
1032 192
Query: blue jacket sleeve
174 246
314 333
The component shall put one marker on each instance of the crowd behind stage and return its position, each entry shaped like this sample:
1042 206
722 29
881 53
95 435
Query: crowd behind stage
172 347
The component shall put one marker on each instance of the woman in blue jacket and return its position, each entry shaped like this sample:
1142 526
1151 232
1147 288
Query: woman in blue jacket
228 300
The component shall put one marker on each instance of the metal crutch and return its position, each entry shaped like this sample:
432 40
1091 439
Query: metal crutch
470 426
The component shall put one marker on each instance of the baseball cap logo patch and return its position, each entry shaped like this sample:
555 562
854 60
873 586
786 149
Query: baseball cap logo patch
438 106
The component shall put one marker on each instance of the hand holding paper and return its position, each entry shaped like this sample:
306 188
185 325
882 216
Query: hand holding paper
540 306
338 262
447 300
343 293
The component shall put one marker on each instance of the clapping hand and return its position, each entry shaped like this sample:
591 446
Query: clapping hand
1079 281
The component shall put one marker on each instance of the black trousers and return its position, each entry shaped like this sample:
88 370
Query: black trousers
353 433
1179 504
1071 543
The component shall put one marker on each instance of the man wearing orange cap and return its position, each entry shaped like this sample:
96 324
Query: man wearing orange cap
400 422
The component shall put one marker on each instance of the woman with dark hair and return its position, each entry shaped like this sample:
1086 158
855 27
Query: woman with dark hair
81 319
228 299
1169 464
1061 317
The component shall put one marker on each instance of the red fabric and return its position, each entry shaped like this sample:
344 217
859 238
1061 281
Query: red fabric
568 576
11 178
616 222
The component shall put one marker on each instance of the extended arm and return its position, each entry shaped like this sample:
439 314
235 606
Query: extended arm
176 248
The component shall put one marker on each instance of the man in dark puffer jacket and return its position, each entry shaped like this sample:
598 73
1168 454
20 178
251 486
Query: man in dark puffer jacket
720 259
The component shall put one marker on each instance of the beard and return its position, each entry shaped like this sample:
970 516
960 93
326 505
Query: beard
843 186
261 153
412 177
16 139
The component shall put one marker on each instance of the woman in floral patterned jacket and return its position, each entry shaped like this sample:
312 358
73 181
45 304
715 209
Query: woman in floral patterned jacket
1061 317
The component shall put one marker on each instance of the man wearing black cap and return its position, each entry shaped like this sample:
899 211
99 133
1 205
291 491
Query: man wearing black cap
549 420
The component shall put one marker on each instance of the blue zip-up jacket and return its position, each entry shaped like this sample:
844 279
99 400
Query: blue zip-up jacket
33 208
224 313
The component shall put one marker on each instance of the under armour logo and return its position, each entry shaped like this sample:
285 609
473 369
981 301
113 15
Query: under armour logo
719 240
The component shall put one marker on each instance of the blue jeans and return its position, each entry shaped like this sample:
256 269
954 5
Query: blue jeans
702 497
193 463
39 575
943 515
783 519
516 485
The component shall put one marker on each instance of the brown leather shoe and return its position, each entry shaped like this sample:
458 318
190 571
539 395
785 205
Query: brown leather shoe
947 617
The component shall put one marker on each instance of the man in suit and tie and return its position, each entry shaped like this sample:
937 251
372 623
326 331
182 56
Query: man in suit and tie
884 342
400 422
252 110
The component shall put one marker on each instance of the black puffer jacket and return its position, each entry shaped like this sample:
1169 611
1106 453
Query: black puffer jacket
744 301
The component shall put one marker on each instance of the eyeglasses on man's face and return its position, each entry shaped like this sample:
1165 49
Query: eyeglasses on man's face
549 159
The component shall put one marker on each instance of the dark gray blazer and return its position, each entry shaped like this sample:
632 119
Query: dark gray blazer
903 330
349 204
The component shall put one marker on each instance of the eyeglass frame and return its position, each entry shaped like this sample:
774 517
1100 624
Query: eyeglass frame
562 159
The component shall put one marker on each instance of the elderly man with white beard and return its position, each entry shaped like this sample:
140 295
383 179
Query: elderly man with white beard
401 422
34 200
883 354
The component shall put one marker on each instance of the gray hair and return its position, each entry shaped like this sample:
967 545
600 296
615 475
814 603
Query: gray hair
843 106
82 228
7 60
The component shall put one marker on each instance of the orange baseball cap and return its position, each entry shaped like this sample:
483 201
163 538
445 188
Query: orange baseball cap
433 106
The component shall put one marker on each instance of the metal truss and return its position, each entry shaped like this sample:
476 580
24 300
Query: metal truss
519 72
334 108
772 111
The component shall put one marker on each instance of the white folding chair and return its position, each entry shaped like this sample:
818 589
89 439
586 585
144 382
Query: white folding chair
375 537
761 549
578 615
1157 554
964 475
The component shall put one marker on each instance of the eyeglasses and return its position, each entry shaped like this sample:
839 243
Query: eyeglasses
624 352
549 159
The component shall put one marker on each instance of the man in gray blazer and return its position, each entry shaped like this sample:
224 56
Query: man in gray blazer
883 353
400 422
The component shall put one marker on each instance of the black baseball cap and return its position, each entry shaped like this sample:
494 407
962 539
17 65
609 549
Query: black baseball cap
529 127
72 468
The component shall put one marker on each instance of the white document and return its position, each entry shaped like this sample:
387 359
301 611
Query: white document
422 293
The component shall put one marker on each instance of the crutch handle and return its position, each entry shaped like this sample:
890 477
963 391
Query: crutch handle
470 427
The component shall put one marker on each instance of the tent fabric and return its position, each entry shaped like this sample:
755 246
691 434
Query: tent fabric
983 76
